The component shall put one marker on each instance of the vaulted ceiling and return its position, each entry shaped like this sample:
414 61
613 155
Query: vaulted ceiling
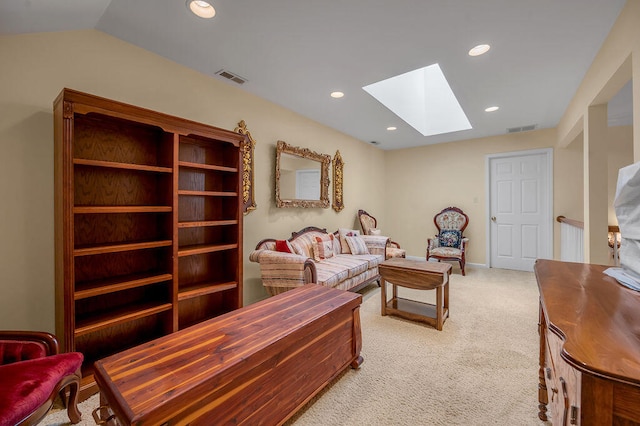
296 52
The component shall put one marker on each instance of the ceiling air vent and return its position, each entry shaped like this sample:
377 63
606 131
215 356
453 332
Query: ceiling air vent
375 143
521 129
231 76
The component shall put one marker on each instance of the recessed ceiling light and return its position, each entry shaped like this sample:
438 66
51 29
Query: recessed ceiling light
491 109
337 95
391 128
422 98
202 9
479 50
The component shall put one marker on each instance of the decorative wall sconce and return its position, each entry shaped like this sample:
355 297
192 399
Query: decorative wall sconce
338 166
247 149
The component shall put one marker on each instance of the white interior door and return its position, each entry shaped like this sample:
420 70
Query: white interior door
520 209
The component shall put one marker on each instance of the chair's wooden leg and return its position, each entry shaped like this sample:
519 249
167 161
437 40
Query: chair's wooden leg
72 404
462 266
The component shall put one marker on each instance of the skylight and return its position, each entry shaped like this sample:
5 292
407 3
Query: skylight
422 98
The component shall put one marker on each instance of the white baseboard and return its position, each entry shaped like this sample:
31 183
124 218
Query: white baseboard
475 265
415 257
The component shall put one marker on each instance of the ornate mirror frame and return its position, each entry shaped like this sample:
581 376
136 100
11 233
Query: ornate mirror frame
324 160
338 166
247 148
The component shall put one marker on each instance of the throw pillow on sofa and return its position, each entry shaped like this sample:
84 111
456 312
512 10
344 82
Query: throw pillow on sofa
357 245
284 246
322 247
344 232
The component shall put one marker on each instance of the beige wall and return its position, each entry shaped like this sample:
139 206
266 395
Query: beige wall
568 185
568 196
620 150
614 65
454 174
403 189
34 70
451 174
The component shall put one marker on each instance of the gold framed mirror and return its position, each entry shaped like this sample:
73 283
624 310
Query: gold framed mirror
302 177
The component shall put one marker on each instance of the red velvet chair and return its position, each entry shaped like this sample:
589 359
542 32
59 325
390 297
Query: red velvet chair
32 374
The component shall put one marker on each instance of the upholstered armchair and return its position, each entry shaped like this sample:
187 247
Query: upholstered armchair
33 374
369 226
449 243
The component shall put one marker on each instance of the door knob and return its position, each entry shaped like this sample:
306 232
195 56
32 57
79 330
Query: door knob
493 218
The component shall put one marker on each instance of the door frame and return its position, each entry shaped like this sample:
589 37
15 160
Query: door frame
548 153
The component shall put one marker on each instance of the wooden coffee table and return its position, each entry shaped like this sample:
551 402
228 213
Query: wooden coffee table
421 275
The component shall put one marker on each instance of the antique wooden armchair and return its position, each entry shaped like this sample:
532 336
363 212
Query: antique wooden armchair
33 374
369 227
449 243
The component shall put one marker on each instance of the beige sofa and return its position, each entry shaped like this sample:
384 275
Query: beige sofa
282 271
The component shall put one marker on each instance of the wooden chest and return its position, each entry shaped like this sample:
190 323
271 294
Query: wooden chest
256 365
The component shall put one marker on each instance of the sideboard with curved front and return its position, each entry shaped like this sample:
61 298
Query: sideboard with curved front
589 346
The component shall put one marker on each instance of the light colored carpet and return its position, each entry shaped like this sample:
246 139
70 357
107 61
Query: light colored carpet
481 369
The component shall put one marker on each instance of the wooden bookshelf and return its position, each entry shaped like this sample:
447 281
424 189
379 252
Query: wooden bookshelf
148 223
